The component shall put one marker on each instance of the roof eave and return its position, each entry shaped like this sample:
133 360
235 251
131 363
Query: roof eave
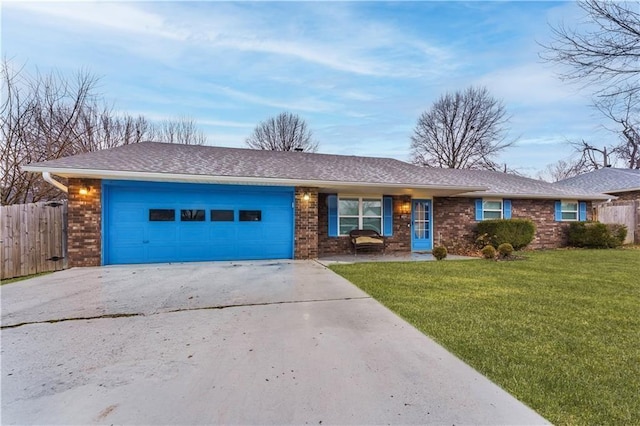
246 180
617 191
586 197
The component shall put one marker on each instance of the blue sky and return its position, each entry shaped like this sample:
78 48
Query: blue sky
360 73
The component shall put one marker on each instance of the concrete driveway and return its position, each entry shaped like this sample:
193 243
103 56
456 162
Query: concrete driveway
227 343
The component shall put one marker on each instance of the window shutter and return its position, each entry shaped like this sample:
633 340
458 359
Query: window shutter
558 213
332 203
479 209
506 209
582 211
387 216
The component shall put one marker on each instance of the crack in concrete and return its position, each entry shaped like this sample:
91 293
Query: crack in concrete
200 308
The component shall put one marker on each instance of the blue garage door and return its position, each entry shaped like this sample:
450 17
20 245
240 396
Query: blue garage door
156 222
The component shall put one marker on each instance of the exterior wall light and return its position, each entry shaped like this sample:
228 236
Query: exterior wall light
405 208
306 196
84 190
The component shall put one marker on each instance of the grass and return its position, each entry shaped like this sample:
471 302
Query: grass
13 280
560 330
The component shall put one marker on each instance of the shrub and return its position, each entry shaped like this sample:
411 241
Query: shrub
505 249
517 232
619 232
439 252
488 252
596 235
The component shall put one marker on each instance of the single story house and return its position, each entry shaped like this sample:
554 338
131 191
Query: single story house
157 202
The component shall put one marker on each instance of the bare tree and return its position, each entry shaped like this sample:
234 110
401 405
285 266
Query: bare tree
48 116
563 169
624 110
462 130
39 118
604 55
604 50
182 130
285 132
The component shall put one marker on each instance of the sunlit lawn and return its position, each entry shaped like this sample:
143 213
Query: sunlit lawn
559 330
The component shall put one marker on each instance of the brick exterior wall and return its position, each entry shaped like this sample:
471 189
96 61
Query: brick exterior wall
306 224
628 196
400 241
454 222
84 243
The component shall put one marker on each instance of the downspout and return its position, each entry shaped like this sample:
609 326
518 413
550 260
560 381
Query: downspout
47 177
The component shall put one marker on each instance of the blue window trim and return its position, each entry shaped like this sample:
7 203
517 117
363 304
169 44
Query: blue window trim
387 215
582 211
332 204
581 214
479 203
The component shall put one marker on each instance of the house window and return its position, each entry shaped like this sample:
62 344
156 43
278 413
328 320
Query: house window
221 215
491 209
359 213
569 210
162 215
192 215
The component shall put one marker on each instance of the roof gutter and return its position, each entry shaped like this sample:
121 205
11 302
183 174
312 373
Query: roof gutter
174 177
586 197
47 177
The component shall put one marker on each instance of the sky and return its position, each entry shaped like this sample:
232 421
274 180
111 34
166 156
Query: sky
359 73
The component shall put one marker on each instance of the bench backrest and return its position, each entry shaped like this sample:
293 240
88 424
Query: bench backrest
364 233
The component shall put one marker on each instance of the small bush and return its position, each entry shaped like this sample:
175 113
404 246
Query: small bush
596 235
505 250
618 231
517 232
439 252
488 252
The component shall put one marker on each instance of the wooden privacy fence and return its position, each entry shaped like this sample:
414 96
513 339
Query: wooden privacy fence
623 212
34 238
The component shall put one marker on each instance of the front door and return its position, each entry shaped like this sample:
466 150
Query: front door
421 226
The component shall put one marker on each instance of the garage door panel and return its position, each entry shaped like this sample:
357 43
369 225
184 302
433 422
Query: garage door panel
134 238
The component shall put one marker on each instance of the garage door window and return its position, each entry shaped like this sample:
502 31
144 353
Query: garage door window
162 215
221 215
250 215
192 215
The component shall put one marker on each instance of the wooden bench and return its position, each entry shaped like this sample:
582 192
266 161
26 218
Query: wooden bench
366 239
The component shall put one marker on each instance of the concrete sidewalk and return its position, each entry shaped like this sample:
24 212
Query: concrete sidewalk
227 343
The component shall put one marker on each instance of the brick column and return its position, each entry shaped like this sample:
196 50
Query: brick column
84 223
306 224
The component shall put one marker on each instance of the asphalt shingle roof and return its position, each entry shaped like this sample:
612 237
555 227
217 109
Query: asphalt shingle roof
177 159
606 180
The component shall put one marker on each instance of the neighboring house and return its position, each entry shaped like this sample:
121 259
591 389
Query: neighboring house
624 185
155 202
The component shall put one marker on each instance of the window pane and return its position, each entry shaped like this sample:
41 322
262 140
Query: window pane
192 215
348 224
571 207
221 215
250 215
569 216
492 215
348 207
372 223
162 215
371 207
492 205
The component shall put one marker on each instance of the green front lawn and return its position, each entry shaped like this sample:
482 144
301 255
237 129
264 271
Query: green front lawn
560 330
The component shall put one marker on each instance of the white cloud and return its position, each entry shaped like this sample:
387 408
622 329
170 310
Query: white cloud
116 17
